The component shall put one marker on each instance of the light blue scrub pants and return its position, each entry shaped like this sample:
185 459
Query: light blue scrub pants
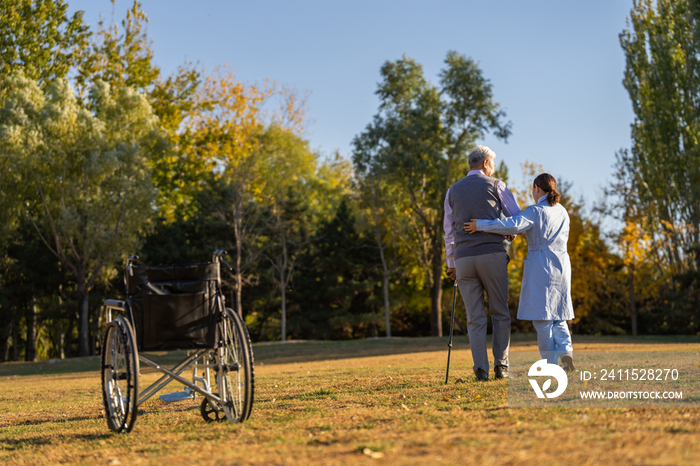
553 339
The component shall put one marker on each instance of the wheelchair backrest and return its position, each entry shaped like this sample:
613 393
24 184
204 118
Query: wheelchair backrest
173 307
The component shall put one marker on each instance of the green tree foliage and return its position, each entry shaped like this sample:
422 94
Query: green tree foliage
81 173
658 298
334 295
375 199
31 280
121 57
288 214
418 142
657 185
38 37
223 135
174 167
662 76
121 54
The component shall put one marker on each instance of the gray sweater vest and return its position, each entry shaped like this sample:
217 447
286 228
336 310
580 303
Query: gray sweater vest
475 196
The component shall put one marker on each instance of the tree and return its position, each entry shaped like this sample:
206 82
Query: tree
335 289
377 211
81 173
418 142
121 55
288 205
30 274
226 134
38 37
221 146
662 77
375 196
640 242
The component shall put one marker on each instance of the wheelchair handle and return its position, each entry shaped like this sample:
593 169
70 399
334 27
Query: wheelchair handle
129 259
226 264
219 257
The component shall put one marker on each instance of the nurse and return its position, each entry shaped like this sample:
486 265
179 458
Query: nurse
545 296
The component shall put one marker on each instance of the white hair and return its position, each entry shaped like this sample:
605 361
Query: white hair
479 154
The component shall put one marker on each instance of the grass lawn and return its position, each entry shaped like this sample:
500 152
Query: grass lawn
353 402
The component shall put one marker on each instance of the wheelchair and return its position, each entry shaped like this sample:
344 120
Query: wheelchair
176 308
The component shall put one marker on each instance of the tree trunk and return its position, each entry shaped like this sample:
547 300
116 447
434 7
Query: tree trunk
5 342
386 304
284 306
97 331
385 280
83 328
436 290
30 343
239 279
69 337
61 338
632 299
15 334
283 285
378 234
238 227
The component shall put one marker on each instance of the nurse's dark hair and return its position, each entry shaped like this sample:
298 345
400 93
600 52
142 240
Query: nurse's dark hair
548 184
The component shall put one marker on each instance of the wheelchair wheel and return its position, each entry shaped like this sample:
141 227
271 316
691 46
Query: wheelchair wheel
237 381
120 371
211 412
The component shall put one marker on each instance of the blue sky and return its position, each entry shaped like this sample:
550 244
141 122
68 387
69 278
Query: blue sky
556 66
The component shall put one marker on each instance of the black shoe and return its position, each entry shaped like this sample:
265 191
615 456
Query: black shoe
481 374
567 363
501 372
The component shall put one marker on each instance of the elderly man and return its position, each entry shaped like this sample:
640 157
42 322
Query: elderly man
479 261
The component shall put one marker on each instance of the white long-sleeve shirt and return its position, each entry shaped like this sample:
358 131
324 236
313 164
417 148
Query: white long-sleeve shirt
508 203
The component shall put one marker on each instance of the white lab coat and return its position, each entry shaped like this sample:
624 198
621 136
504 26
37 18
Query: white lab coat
546 290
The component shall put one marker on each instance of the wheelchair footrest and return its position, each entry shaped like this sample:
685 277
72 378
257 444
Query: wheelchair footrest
177 396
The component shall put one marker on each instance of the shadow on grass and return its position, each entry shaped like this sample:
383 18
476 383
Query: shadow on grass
51 367
39 422
307 351
30 442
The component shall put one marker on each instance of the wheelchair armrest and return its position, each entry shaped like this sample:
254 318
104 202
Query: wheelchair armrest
115 304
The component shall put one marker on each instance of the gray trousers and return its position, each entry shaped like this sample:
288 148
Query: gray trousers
474 275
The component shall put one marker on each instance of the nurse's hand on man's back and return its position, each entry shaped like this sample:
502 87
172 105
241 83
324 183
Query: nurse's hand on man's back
470 227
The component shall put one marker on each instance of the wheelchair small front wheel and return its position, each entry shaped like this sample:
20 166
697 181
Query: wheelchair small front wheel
120 371
211 412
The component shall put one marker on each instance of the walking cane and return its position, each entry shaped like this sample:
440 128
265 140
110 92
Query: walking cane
452 322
